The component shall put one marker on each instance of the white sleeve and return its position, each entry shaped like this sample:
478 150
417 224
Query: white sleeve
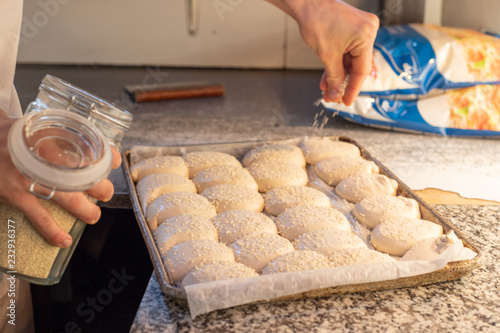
10 27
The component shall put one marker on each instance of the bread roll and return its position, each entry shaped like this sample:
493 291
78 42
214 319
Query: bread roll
200 160
271 175
215 271
224 174
180 259
232 197
328 240
258 249
154 185
179 229
316 149
335 169
275 154
281 198
235 224
297 261
430 248
360 255
360 186
397 235
301 219
374 208
177 203
159 164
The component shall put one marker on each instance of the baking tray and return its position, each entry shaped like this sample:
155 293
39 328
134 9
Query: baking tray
452 271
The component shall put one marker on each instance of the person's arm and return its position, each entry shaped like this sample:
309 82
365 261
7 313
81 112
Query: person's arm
14 189
342 37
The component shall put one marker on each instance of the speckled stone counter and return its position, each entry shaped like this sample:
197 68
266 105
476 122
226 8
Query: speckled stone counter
271 105
466 305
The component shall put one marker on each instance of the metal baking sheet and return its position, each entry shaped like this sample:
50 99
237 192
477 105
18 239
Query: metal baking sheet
452 271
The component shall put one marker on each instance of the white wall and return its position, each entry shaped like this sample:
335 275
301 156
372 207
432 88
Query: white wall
231 33
473 14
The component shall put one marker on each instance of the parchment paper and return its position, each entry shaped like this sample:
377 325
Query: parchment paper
206 297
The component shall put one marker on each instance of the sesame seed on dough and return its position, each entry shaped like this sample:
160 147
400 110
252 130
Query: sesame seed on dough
275 153
258 249
233 196
177 203
181 228
297 261
356 188
200 160
359 255
154 185
235 224
159 164
224 174
301 219
280 198
316 149
215 271
272 175
397 235
335 169
180 259
328 240
372 209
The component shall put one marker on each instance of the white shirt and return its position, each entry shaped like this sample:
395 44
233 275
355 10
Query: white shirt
10 28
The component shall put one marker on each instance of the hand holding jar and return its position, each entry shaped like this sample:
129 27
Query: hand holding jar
15 190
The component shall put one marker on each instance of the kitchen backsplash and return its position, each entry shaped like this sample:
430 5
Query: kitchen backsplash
216 33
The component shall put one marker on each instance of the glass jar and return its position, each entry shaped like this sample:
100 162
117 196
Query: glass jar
59 150
111 120
62 143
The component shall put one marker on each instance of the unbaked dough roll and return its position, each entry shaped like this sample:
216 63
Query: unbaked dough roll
272 175
235 224
301 219
179 229
180 259
200 160
397 235
360 255
154 185
316 149
374 208
327 241
297 261
258 249
276 153
216 271
224 174
430 248
360 186
177 203
335 169
279 199
159 164
232 196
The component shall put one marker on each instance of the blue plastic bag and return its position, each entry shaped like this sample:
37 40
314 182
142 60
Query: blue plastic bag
430 79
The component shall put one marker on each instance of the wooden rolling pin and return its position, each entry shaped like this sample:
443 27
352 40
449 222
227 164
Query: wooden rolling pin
167 91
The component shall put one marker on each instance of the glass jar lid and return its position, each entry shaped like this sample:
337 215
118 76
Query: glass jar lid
59 150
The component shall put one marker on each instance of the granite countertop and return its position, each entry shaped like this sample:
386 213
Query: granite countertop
270 105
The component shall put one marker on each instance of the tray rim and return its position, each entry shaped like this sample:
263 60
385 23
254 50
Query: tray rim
452 271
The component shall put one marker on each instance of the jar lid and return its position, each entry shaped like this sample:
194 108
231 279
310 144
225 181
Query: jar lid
59 150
